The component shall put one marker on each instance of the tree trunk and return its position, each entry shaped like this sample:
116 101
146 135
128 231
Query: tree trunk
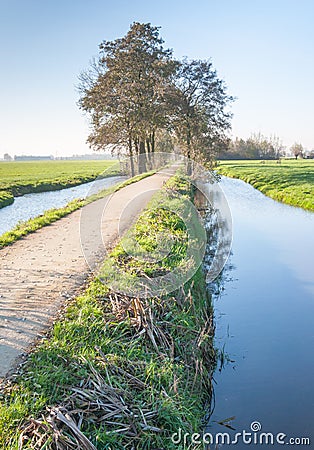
188 144
142 157
131 157
149 158
153 141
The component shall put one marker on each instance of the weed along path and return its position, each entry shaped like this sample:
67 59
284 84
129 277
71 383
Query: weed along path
38 273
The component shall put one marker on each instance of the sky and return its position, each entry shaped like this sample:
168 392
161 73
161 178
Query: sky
262 49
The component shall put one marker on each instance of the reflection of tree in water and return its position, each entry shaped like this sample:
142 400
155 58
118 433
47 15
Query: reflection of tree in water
217 261
217 219
218 224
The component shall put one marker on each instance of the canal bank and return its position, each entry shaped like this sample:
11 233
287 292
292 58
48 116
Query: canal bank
147 360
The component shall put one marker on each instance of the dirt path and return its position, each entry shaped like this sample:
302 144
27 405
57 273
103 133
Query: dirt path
39 272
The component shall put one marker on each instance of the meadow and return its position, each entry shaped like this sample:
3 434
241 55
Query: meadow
24 177
291 181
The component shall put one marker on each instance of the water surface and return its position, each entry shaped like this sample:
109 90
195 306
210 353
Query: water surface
265 319
32 205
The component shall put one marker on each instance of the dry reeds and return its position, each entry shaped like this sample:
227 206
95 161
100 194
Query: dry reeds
106 398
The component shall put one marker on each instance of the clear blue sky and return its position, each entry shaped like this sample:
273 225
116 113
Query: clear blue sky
263 49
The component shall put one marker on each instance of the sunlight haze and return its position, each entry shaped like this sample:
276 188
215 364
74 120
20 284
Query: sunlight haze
262 49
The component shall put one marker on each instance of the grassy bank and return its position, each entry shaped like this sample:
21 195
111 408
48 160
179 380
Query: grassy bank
6 199
19 178
290 182
128 372
52 215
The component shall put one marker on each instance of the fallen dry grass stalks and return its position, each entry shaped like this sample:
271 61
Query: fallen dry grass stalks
98 402
95 402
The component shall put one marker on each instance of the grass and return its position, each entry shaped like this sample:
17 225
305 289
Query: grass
24 177
158 244
6 198
52 215
290 182
128 371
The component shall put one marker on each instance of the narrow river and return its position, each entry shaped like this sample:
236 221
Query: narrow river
32 205
265 323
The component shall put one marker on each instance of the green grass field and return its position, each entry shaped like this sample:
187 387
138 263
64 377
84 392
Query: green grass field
290 182
19 178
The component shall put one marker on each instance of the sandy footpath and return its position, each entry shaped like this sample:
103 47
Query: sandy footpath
40 271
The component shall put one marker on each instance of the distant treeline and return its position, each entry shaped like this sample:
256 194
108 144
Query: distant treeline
255 147
260 147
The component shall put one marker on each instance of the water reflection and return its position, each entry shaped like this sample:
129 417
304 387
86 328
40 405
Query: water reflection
265 319
218 224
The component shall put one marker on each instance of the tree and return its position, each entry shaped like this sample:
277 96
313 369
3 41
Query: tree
199 102
297 150
256 146
124 94
311 154
7 157
265 147
139 98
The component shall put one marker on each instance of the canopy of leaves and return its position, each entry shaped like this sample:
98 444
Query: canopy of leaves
136 93
297 150
199 102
